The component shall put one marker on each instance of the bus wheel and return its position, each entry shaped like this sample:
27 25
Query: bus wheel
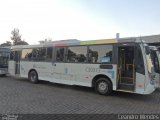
103 86
33 77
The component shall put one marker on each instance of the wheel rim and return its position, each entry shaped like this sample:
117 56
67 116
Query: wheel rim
102 87
33 77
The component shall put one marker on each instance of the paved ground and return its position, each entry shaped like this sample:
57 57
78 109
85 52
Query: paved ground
19 96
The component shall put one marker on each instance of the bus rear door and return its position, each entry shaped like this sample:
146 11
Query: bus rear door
17 62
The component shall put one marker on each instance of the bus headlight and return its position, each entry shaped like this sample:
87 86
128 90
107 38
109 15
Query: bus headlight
152 82
1 71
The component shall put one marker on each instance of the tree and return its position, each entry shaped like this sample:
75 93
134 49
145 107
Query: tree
16 37
22 43
7 43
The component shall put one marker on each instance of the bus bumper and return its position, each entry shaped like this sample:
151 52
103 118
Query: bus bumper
3 71
149 89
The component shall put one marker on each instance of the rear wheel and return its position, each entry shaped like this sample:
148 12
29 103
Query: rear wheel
33 77
103 86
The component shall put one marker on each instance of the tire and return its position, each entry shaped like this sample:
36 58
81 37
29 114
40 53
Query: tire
3 75
33 77
103 86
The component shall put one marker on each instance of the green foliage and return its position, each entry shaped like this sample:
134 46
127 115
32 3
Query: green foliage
7 43
16 37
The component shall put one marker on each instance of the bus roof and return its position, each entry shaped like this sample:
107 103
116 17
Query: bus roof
78 42
131 39
18 47
66 43
72 42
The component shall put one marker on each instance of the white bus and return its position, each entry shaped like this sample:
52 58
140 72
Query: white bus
4 57
105 65
155 57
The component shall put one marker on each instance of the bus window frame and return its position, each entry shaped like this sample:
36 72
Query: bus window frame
66 54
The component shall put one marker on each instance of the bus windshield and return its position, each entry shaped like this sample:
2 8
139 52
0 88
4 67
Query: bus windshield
4 57
155 60
148 58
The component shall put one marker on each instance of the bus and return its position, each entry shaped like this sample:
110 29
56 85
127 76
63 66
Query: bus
4 57
106 65
155 57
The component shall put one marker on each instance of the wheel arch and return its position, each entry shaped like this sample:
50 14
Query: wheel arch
94 80
31 71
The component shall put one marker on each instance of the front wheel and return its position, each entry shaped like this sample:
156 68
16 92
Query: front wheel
103 86
33 77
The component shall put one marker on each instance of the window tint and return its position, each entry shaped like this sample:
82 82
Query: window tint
60 54
49 54
100 54
39 54
26 54
77 54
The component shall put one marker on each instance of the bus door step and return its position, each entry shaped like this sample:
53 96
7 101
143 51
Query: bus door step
128 87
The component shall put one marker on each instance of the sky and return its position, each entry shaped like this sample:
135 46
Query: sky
78 19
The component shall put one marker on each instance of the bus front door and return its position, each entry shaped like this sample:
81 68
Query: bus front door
17 62
126 68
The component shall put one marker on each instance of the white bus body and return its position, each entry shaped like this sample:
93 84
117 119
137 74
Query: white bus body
105 65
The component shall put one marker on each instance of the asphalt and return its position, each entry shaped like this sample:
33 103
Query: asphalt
19 96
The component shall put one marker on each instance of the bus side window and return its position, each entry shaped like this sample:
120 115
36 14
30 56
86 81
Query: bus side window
77 54
49 54
26 54
60 54
100 54
39 54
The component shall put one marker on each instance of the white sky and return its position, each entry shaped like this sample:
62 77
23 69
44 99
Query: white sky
67 19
